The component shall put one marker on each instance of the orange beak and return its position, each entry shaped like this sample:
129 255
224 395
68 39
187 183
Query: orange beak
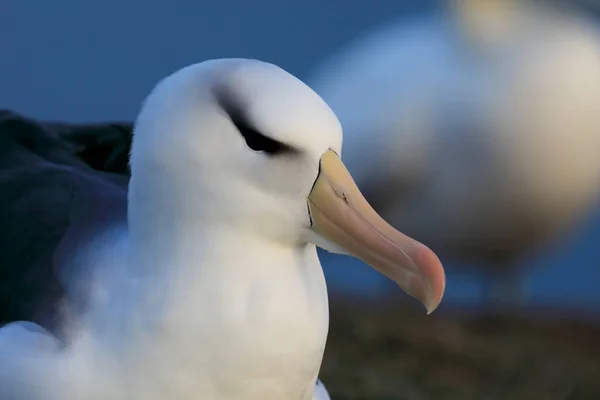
341 214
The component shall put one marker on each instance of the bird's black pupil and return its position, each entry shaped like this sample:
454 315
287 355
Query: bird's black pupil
259 142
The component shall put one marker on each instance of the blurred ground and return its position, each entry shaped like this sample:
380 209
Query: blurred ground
386 350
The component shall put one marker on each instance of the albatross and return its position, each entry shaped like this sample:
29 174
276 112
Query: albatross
201 278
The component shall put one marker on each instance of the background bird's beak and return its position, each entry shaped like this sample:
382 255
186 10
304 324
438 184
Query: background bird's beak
340 214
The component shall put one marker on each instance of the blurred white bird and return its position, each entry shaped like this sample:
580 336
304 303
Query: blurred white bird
481 124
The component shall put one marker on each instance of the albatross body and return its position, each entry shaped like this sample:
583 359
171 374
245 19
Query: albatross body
475 129
208 286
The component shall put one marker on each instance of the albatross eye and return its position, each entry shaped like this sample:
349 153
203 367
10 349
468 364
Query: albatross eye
259 142
254 139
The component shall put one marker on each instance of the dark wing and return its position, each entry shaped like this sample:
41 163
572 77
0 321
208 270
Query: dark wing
103 146
54 196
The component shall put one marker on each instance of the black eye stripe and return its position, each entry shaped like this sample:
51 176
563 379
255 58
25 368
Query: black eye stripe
259 142
254 139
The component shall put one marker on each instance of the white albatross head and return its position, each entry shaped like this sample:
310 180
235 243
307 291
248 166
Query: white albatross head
262 150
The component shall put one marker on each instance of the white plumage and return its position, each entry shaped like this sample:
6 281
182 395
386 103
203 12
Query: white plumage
197 287
212 288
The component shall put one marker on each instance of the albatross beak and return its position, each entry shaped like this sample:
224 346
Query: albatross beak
341 214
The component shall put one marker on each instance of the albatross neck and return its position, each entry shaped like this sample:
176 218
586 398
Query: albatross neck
172 220
183 265
179 229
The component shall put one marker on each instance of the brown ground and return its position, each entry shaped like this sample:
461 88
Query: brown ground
389 351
